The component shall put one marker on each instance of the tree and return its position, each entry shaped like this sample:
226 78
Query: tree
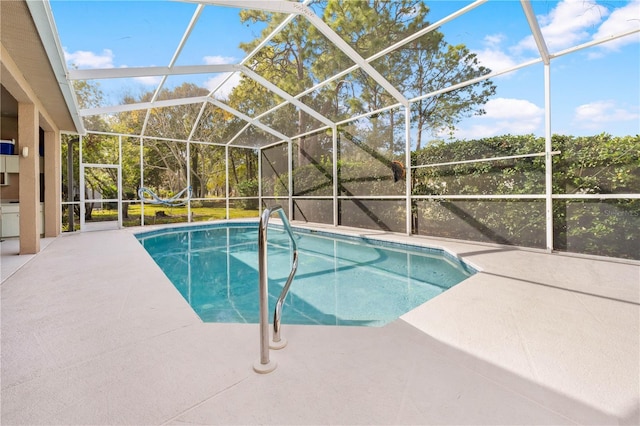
166 161
285 62
299 56
436 68
89 95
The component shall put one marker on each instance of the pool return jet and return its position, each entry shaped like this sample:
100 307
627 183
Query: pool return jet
264 365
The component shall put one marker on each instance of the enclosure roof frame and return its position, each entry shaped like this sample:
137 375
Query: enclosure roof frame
291 10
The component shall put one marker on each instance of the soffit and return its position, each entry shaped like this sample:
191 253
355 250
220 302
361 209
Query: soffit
21 40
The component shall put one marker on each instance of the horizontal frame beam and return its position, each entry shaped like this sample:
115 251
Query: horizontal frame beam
136 72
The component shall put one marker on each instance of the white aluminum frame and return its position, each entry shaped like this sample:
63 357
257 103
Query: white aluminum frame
294 9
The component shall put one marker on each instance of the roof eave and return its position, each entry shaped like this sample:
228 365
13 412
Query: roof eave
43 19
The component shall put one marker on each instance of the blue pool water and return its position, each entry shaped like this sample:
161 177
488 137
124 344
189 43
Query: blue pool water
340 280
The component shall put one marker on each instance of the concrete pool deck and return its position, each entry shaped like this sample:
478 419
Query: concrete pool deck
94 333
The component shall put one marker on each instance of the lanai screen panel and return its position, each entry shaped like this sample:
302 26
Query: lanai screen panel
587 167
70 169
595 20
599 227
598 164
313 165
379 214
496 47
208 172
172 122
131 121
165 167
499 165
355 93
298 58
130 163
312 157
253 136
261 100
302 44
130 181
313 210
243 182
467 48
370 27
104 102
594 157
275 171
512 222
216 125
291 121
371 155
110 91
591 109
100 149
176 86
450 120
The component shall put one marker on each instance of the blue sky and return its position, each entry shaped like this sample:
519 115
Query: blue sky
593 91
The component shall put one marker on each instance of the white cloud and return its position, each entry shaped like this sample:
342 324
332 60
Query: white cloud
492 56
219 60
87 59
567 25
477 131
494 39
512 108
223 88
594 114
149 81
504 116
622 19
495 59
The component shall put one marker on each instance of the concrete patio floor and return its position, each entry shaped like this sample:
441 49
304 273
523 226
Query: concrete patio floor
94 333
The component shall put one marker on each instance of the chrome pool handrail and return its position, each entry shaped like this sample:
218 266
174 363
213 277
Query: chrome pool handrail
277 341
265 365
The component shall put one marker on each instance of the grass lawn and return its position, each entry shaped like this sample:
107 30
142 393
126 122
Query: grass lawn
159 214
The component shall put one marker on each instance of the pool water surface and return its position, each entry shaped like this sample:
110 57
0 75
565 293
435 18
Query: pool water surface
340 280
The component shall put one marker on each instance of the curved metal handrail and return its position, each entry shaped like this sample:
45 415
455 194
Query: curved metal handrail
277 312
265 366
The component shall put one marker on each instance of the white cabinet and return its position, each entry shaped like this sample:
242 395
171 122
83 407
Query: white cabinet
10 214
10 220
12 163
8 164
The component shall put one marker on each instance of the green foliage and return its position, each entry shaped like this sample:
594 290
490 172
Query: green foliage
90 95
368 178
600 164
300 56
514 176
248 188
314 179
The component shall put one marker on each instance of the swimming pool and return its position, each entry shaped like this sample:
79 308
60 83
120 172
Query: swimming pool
340 280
